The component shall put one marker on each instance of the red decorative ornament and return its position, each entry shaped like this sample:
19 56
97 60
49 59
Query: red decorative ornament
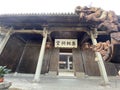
48 44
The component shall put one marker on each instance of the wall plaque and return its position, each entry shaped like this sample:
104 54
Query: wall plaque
66 43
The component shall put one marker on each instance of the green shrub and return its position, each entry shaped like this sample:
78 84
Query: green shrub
4 70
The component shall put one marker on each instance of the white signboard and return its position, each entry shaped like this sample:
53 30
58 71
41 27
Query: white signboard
66 43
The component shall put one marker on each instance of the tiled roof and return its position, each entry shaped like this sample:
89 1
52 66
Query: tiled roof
40 14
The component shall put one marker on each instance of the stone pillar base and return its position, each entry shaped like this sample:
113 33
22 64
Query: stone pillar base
52 73
80 74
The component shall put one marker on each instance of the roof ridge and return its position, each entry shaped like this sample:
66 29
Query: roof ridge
39 14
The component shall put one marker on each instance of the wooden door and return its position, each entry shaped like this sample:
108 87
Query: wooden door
54 60
46 61
90 65
77 62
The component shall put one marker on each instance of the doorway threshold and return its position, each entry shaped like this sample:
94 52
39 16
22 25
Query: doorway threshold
65 72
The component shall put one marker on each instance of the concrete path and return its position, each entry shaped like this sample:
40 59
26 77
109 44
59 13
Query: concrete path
25 82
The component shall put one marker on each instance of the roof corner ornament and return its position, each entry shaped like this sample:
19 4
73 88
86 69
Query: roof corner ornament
97 17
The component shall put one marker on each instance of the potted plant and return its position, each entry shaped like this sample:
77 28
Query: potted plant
3 70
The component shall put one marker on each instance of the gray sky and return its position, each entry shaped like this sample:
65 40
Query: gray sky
50 6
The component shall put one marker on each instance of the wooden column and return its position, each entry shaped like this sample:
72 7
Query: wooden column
40 59
4 41
100 61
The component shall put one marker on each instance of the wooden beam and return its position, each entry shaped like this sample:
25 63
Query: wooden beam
28 31
22 31
52 29
75 29
102 33
67 29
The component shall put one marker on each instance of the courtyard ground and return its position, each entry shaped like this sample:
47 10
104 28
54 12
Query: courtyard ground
47 82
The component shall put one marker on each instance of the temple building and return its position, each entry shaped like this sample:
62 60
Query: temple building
56 43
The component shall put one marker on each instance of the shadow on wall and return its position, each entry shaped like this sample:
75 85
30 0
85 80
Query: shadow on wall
13 51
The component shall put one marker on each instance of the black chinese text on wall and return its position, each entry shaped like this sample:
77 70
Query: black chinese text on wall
66 43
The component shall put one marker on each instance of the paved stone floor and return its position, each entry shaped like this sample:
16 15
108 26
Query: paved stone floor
25 82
